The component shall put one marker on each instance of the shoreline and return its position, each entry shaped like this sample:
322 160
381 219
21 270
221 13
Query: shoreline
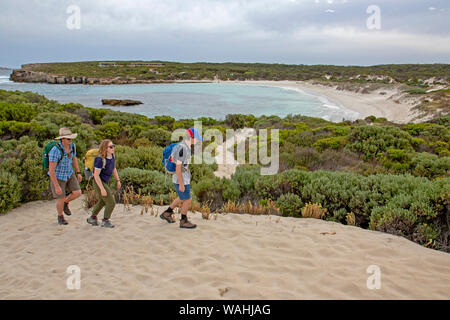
388 105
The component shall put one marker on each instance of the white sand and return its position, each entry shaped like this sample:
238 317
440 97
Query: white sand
366 104
233 257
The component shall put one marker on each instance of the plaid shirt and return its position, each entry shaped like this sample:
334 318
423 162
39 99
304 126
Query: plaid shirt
64 169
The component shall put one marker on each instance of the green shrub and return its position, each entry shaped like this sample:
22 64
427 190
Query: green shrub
372 141
393 220
159 137
10 191
148 182
183 124
167 121
429 165
23 158
201 171
442 148
97 114
148 158
216 191
415 129
125 119
142 142
16 112
110 130
330 143
15 129
245 176
290 205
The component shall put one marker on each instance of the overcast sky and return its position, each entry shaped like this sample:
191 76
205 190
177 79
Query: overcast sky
270 31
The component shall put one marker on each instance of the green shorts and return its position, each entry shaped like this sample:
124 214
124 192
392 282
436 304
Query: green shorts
66 186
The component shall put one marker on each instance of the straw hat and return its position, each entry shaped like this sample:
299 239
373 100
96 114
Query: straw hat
66 133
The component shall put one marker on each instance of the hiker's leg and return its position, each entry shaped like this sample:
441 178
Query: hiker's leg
60 197
74 187
100 203
175 203
73 196
186 206
60 206
109 202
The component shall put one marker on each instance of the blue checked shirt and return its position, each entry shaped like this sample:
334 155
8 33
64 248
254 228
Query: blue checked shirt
64 169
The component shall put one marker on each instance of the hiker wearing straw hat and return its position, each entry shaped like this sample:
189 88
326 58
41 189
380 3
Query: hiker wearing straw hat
62 160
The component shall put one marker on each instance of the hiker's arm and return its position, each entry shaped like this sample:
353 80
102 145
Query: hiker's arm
77 169
51 170
98 181
116 175
179 176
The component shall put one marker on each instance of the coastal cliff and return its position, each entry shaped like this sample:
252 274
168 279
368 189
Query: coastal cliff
21 75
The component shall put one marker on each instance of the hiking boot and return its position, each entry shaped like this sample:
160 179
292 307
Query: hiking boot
168 216
185 223
92 220
61 220
107 224
66 209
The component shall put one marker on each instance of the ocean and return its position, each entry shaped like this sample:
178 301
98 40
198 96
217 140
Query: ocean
192 100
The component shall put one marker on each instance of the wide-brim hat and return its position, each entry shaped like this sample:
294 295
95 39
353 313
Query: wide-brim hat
66 133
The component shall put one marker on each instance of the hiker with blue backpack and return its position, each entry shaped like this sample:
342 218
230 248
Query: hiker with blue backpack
60 158
176 159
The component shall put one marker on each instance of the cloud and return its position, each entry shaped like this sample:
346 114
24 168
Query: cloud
251 30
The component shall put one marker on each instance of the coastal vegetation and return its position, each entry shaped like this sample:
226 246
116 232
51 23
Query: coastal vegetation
410 74
369 173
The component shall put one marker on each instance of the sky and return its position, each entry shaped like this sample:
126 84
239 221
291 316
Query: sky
339 32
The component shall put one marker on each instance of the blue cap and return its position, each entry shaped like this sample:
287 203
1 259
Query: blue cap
193 133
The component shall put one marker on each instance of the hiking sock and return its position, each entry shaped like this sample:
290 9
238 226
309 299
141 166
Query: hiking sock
183 217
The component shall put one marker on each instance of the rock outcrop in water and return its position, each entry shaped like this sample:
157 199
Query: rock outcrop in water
118 102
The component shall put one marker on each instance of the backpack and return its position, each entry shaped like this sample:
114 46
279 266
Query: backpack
49 146
89 159
169 166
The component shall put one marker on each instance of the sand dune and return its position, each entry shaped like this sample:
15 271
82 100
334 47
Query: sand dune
232 257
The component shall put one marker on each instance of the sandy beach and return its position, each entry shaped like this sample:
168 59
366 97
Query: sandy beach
379 103
230 257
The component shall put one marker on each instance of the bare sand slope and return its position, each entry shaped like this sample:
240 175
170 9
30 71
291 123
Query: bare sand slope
367 104
232 257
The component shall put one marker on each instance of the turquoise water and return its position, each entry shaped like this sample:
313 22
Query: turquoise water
181 101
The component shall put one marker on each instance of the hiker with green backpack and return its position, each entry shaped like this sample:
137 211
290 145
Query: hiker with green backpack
59 158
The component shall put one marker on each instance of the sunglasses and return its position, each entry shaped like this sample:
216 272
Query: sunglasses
68 139
111 146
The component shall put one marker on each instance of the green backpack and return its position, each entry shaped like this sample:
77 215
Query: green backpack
49 146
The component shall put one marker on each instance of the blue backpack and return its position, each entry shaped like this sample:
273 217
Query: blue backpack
166 160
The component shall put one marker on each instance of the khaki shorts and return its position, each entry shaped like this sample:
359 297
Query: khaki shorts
66 186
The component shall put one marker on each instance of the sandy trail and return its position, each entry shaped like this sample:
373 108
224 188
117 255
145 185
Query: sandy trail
232 257
225 155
